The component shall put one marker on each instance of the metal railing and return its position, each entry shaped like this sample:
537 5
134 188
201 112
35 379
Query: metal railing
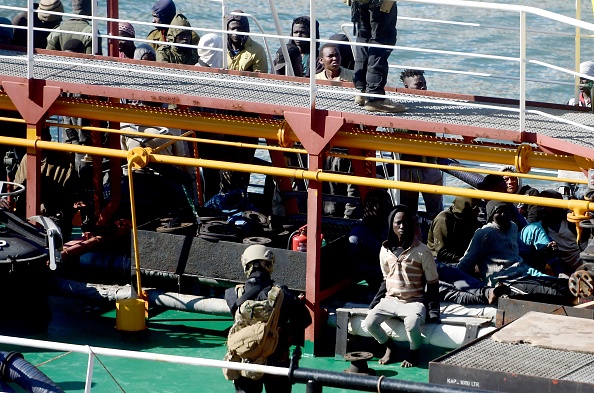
314 379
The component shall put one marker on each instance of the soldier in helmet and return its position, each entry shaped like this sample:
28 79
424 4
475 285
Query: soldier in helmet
258 263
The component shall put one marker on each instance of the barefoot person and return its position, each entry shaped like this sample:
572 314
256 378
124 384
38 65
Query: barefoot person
407 266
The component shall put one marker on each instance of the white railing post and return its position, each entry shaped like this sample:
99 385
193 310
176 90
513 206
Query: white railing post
522 71
283 42
30 17
224 35
312 54
578 55
95 26
90 364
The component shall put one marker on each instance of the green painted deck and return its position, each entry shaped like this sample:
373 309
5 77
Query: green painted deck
170 332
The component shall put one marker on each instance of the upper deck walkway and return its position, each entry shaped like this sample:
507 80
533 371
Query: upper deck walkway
553 128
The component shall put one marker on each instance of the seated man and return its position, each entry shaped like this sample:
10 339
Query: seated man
244 53
452 230
407 266
494 251
514 186
176 35
449 237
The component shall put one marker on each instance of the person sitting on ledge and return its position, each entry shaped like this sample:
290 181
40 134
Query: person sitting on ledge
407 266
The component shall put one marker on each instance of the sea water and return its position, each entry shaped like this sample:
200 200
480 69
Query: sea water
495 34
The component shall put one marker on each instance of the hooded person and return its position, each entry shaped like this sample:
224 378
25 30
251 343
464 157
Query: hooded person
209 57
301 28
145 52
494 247
56 40
244 54
411 281
586 84
178 54
452 229
6 33
163 12
40 20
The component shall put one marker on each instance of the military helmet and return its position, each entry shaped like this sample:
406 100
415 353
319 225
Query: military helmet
255 256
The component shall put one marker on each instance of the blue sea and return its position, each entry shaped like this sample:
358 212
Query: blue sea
477 31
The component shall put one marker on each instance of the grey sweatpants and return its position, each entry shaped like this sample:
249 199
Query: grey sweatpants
412 314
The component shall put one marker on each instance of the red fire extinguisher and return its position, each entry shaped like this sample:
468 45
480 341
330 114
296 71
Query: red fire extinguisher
300 240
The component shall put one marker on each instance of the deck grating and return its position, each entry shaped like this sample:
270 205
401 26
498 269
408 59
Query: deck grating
526 360
283 93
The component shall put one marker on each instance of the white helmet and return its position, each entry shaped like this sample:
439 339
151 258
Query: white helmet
257 255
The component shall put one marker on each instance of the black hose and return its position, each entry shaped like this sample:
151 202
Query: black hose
13 367
371 383
473 179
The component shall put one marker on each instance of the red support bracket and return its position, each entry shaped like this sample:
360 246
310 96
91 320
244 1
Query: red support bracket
314 130
32 99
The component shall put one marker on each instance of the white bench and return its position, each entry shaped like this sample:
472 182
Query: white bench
460 324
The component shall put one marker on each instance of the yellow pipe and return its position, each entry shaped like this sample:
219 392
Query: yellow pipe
579 207
459 168
349 156
141 294
388 142
270 129
12 120
183 138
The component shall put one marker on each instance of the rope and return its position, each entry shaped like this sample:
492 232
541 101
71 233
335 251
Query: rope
379 380
52 359
110 374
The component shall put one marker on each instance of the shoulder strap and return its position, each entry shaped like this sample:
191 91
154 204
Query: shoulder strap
246 296
273 320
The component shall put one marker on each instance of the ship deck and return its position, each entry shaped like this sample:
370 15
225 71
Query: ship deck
170 332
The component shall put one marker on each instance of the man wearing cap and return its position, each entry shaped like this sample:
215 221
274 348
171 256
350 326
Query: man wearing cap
280 62
244 54
56 40
585 97
126 47
40 20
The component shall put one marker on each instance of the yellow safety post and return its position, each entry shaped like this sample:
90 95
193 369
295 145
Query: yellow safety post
131 314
